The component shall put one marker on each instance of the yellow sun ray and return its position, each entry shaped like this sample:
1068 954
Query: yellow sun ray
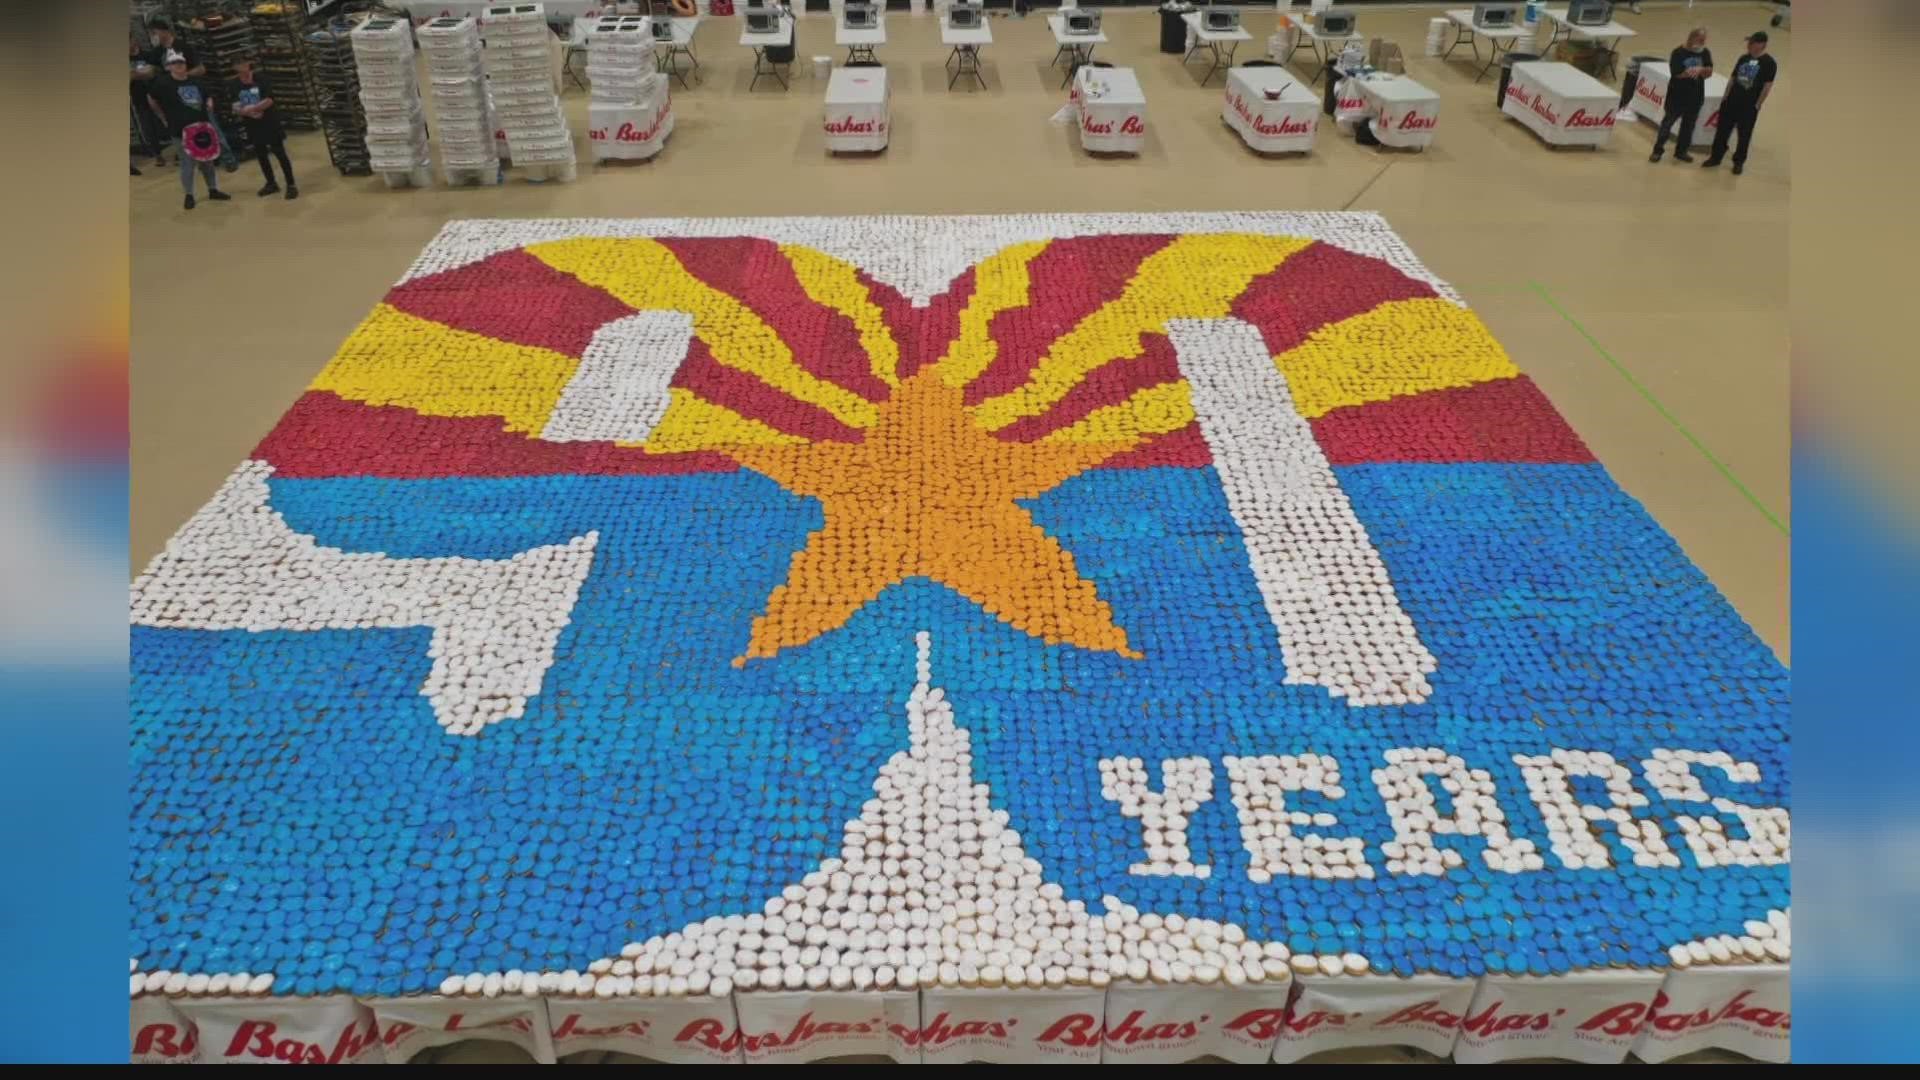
1000 283
1154 410
694 423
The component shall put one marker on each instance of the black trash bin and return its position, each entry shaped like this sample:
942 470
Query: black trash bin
1633 77
1173 29
1506 73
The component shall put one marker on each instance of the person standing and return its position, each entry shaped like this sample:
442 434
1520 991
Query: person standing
142 67
161 35
1747 89
1688 69
253 101
166 40
184 103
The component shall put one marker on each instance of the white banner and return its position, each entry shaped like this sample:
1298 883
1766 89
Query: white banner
159 1034
801 1026
1112 110
1560 104
1424 1012
1284 123
284 1031
1748 1010
1010 1027
857 115
1166 1025
672 1030
629 132
1553 1016
410 1025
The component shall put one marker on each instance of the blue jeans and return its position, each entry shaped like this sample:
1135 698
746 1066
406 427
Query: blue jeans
186 169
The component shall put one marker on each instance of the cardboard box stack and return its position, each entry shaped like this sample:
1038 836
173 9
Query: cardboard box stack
462 117
390 97
519 66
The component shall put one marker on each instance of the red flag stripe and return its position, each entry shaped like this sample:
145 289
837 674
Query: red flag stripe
326 435
825 343
514 297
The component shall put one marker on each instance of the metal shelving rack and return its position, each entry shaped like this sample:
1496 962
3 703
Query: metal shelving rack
336 81
277 27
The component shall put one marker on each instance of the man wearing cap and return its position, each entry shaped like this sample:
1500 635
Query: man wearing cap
184 102
1747 88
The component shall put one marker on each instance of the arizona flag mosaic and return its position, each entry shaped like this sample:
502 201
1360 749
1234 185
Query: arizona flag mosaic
681 607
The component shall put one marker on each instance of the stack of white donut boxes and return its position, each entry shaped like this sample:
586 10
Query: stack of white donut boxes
462 118
520 77
629 93
390 96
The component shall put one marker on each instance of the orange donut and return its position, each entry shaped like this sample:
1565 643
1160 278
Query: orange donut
683 7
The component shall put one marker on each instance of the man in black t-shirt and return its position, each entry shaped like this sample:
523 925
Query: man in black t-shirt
1748 85
184 102
1688 69
253 103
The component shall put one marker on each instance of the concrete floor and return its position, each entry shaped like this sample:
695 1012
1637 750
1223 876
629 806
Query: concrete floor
1649 302
1677 274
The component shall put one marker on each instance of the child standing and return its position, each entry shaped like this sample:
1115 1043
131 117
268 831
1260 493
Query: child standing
183 102
253 100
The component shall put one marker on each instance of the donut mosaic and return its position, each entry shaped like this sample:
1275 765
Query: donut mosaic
685 607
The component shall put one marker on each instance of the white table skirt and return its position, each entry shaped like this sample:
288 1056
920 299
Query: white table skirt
1403 113
1287 125
856 117
1597 1016
631 132
1114 122
1561 104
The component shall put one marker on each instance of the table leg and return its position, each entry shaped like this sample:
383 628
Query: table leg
1492 60
1082 56
969 65
671 66
1460 34
1611 53
1215 66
